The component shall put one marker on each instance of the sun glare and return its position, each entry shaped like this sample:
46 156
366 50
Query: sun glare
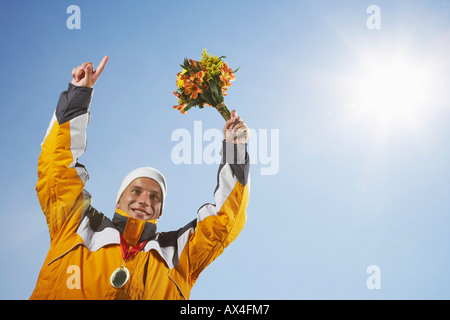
392 89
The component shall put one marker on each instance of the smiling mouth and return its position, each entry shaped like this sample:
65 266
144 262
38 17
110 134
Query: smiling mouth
140 213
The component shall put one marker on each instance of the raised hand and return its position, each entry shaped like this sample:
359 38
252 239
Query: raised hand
235 130
85 76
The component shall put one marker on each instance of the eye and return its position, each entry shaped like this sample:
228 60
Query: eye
135 191
154 197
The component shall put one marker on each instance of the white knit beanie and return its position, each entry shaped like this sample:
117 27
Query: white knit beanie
144 172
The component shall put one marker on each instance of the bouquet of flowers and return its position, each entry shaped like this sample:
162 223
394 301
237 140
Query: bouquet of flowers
204 82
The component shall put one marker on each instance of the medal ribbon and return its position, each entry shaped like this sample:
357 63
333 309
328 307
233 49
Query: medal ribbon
127 251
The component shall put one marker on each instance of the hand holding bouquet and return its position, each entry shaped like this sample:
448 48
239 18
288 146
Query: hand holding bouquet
204 82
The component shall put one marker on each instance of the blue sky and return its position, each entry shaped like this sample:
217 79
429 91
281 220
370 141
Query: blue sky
362 117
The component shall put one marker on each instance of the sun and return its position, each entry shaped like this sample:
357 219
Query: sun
391 89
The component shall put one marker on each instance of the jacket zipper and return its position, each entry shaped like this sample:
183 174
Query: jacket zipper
63 254
176 285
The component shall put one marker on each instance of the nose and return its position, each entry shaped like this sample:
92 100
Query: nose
144 199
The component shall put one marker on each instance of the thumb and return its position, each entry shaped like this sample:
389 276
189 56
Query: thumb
233 115
229 122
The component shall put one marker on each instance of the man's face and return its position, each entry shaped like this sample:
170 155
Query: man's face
142 199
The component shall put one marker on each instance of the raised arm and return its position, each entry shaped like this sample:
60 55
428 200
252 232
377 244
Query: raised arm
61 178
218 224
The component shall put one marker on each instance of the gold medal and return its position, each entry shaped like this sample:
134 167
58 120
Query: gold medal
119 277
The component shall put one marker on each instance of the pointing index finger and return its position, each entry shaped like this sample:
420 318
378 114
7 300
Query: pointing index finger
101 66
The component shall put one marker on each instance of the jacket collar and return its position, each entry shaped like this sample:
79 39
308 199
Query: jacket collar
133 230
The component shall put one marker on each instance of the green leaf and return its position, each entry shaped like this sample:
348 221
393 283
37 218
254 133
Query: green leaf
189 105
214 88
205 95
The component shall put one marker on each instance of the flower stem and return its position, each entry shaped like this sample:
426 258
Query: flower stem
223 110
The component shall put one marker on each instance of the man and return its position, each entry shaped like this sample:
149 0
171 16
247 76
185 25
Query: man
93 257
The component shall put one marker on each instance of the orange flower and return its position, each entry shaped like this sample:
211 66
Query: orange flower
180 107
192 84
192 89
193 63
226 76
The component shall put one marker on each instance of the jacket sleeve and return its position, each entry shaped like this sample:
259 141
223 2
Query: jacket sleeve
61 178
218 224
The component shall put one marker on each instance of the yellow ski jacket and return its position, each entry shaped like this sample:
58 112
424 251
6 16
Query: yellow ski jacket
85 244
